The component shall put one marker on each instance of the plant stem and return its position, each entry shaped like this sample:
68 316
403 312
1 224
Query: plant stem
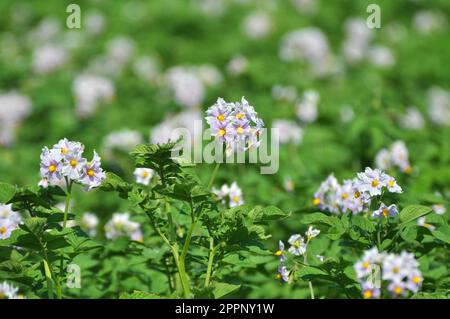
66 213
213 176
48 276
68 196
305 260
210 261
182 262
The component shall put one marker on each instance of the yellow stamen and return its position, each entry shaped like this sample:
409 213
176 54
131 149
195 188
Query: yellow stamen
278 276
416 279
344 196
236 199
52 168
3 230
297 244
145 174
395 270
357 194
73 163
367 294
90 172
398 290
239 116
240 130
385 212
366 264
278 253
2 295
64 151
222 132
316 201
391 183
375 183
220 117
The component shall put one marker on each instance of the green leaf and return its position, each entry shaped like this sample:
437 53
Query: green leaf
34 225
441 236
112 182
309 273
315 218
7 192
413 212
363 223
409 233
221 289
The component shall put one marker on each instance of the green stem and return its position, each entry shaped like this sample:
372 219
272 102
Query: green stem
48 276
305 260
213 176
210 261
66 213
182 263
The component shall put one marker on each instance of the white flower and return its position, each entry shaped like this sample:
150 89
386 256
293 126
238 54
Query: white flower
89 91
89 223
399 154
147 69
428 21
383 159
94 22
311 233
222 193
8 291
288 131
439 209
6 228
125 140
237 65
439 106
187 87
121 49
413 119
395 268
372 181
309 45
49 58
320 257
422 222
257 25
307 106
298 246
392 186
381 56
14 107
235 194
143 175
121 225
386 211
284 93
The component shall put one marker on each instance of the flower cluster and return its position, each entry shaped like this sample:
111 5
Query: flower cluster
355 195
121 225
235 124
49 58
412 119
398 272
309 45
124 140
90 90
65 162
188 83
143 175
9 220
298 248
8 291
231 194
257 25
14 108
288 131
396 155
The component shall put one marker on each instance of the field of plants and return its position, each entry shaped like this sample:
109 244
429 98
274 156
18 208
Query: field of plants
353 97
